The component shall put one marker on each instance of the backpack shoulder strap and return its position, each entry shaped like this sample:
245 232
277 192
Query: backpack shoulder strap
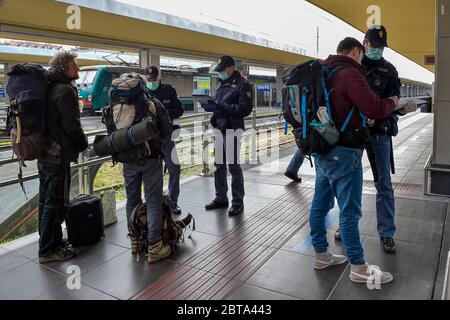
328 74
350 115
331 72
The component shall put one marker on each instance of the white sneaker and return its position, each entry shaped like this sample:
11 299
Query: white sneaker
327 259
369 274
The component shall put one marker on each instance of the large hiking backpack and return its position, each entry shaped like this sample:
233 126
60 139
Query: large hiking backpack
306 106
136 124
172 231
27 90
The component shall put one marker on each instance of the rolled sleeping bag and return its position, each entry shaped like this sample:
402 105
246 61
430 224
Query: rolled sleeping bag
119 141
112 144
142 132
126 138
102 146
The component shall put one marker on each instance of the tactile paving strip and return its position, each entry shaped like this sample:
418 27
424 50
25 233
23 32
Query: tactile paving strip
217 271
404 135
221 268
309 181
276 179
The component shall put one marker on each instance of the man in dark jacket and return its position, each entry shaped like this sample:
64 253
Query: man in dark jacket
339 172
67 140
383 79
167 95
233 102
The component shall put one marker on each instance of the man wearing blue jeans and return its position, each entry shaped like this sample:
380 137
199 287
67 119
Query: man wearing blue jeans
294 166
339 172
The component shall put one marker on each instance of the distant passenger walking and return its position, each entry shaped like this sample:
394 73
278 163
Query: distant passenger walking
294 166
233 102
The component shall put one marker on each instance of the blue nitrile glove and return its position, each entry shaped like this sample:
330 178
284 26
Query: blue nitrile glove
210 106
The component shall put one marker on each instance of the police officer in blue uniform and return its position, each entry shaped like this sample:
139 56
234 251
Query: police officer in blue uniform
383 79
167 95
232 103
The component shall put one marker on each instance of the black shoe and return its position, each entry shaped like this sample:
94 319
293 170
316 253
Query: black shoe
337 235
216 205
293 176
388 244
236 210
176 209
61 254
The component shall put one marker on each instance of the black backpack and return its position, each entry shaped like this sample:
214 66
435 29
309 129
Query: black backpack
27 90
306 106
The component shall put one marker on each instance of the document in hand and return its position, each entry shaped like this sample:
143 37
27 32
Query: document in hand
408 105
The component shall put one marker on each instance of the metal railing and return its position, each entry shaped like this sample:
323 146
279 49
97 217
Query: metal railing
85 161
88 166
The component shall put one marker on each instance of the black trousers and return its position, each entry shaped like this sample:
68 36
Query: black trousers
54 184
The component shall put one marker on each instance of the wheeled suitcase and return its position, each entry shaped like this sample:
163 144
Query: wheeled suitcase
85 221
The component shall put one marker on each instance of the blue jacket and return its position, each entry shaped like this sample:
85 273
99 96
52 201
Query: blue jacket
235 102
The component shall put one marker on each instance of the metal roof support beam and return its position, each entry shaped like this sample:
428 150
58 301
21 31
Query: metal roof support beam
148 57
23 33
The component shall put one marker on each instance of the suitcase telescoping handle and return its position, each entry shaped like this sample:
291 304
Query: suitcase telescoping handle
82 195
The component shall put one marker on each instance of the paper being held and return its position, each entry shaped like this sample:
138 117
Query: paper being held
407 106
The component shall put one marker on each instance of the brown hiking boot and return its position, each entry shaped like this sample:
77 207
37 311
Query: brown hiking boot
158 252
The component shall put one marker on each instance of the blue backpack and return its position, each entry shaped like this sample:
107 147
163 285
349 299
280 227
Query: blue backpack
306 107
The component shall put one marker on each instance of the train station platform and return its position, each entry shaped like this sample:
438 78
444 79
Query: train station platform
266 252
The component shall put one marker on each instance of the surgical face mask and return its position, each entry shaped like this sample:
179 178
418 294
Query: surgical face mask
152 86
224 76
374 54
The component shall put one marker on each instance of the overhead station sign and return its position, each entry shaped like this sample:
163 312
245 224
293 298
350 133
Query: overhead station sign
263 87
